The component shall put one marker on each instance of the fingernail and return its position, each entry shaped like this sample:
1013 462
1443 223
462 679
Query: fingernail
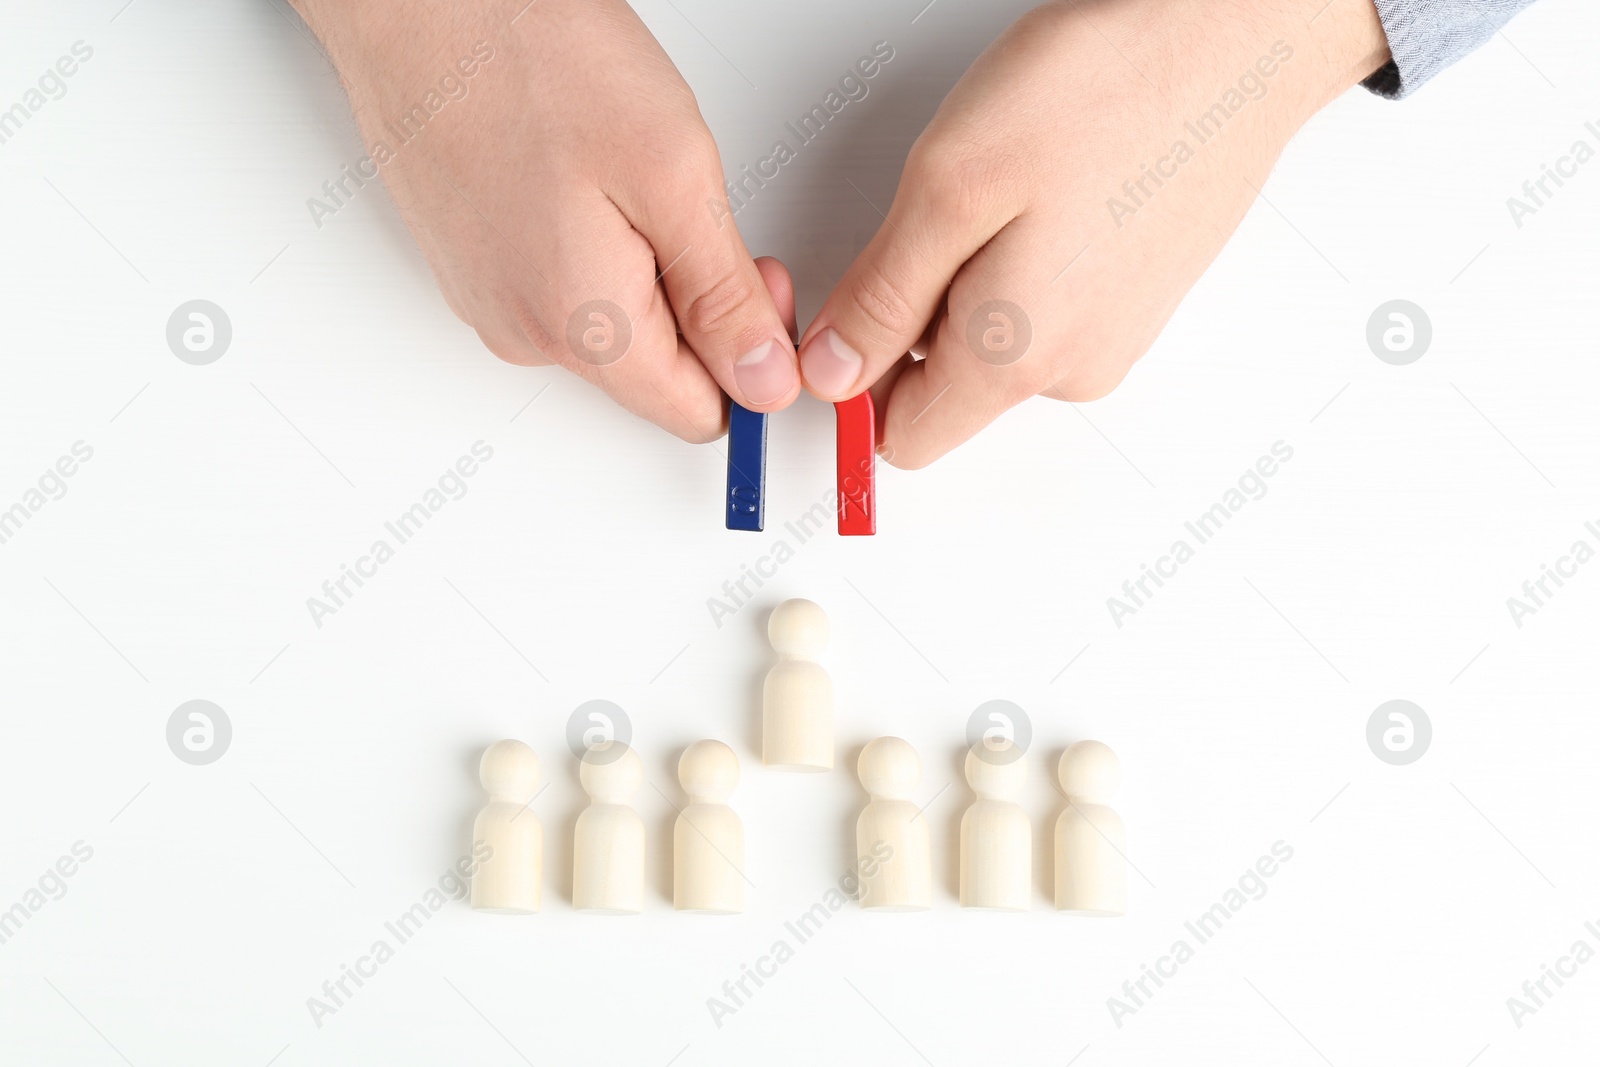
765 374
830 366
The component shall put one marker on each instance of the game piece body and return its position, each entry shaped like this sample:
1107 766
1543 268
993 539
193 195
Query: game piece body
747 468
708 838
608 842
507 840
797 697
856 452
892 840
996 840
1091 870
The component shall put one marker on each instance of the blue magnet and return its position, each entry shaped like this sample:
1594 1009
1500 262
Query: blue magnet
747 468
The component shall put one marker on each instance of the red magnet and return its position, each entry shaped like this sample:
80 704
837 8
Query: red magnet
857 451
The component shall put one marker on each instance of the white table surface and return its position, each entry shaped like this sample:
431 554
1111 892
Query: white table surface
579 564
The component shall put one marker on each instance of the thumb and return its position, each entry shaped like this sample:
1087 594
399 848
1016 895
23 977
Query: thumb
722 305
890 294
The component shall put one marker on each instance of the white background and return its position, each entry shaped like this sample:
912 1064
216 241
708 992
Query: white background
578 566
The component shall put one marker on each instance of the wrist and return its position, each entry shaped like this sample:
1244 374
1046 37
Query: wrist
1342 43
1308 52
358 34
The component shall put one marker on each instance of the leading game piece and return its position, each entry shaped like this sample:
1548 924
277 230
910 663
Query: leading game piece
747 468
797 699
892 850
996 841
608 843
507 880
1091 870
708 838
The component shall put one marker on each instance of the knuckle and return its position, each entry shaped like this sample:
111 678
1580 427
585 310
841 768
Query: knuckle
529 326
906 455
1084 386
691 411
883 303
719 309
1085 366
695 433
509 349
1034 376
959 181
457 305
686 166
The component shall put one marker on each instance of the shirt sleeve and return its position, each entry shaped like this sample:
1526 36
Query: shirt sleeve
1426 36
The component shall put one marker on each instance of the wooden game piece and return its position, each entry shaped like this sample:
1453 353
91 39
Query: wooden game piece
856 445
797 699
1091 870
608 842
747 468
892 850
708 838
508 876
996 841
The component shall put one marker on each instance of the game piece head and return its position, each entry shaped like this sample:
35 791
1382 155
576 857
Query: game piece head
889 768
509 769
1089 771
708 770
610 772
996 768
798 628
